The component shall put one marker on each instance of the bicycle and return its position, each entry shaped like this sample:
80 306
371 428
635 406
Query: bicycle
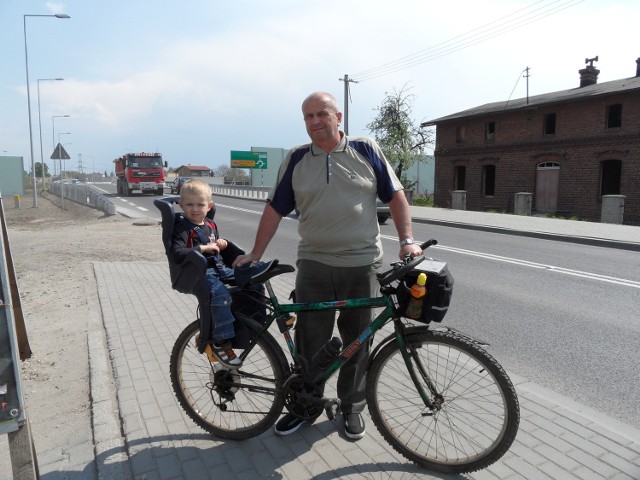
436 396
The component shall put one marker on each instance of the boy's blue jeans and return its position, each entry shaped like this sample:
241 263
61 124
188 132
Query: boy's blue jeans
220 304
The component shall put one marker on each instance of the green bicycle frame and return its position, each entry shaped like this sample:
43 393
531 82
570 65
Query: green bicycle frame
281 312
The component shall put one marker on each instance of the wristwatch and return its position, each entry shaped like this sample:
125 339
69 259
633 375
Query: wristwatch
407 241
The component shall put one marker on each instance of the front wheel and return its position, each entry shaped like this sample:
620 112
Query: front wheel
231 404
475 416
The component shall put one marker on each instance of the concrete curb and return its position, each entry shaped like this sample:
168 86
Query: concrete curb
112 459
598 242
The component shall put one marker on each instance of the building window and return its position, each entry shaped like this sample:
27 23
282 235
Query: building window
458 177
610 174
488 180
614 115
460 131
550 124
489 130
548 165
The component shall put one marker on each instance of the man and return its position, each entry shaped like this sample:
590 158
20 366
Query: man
334 182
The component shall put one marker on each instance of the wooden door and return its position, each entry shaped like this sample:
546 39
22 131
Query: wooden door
547 184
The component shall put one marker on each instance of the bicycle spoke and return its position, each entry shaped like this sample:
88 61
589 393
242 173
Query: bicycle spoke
467 428
228 403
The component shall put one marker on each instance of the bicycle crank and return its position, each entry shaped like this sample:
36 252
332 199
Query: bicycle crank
302 399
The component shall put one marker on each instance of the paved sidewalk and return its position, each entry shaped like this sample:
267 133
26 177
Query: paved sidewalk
589 233
140 432
558 439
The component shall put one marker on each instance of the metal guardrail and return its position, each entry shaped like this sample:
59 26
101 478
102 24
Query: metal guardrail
243 191
84 194
90 195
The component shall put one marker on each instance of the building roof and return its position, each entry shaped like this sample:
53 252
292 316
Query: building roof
578 93
193 168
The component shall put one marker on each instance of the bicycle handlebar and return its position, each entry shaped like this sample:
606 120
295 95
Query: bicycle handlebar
400 269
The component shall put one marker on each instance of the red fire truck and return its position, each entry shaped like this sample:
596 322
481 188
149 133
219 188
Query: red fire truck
140 171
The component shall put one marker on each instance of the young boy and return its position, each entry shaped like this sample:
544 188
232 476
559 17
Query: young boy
196 231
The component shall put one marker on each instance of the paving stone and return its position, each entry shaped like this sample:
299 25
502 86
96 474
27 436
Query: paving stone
164 443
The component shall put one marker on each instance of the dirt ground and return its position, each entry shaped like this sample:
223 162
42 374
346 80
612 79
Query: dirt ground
52 250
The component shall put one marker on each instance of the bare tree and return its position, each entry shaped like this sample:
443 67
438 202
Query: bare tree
222 171
402 141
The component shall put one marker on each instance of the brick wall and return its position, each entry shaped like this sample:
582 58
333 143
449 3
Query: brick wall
580 143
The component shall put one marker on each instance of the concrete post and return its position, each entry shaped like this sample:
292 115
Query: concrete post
612 209
459 199
522 203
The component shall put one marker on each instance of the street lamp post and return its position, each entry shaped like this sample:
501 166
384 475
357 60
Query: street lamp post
60 159
59 151
53 133
40 126
26 63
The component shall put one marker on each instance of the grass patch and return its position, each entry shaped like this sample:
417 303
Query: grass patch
423 201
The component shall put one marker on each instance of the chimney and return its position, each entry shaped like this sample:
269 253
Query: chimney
589 74
638 67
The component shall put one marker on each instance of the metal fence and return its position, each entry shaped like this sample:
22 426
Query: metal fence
84 194
244 191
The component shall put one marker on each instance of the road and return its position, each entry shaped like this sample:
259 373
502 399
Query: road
563 315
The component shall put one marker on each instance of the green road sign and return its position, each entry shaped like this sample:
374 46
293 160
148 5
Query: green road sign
240 159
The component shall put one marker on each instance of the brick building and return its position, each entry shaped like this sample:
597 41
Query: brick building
566 148
194 171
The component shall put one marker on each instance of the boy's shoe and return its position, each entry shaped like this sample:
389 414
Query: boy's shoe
353 425
250 271
225 355
288 424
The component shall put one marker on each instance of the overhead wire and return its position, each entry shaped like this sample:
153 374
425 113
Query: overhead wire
469 38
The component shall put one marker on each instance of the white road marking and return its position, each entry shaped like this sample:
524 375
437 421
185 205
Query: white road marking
499 258
541 266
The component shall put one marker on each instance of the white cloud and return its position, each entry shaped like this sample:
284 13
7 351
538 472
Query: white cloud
234 74
55 7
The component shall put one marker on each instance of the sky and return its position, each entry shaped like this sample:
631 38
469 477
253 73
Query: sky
195 79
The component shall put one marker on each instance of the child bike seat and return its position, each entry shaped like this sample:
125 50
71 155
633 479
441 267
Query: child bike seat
188 276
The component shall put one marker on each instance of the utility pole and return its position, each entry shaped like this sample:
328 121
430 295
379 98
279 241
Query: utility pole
526 75
345 113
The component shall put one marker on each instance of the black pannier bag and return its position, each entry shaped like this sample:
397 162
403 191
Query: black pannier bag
439 290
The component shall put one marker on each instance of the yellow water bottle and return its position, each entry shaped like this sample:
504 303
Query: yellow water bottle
418 290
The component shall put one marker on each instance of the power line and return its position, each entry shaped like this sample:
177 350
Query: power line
485 32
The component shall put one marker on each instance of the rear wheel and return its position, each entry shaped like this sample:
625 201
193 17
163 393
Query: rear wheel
231 404
476 414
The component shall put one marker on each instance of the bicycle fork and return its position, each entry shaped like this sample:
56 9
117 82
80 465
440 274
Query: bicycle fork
432 400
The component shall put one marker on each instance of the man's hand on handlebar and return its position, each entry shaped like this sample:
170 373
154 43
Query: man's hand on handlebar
411 250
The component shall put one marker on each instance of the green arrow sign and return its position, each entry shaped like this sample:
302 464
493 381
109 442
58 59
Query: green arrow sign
242 159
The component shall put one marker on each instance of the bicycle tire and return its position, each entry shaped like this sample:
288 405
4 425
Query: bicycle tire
480 414
198 384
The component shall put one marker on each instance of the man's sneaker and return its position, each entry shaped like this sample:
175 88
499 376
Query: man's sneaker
353 425
225 355
288 424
